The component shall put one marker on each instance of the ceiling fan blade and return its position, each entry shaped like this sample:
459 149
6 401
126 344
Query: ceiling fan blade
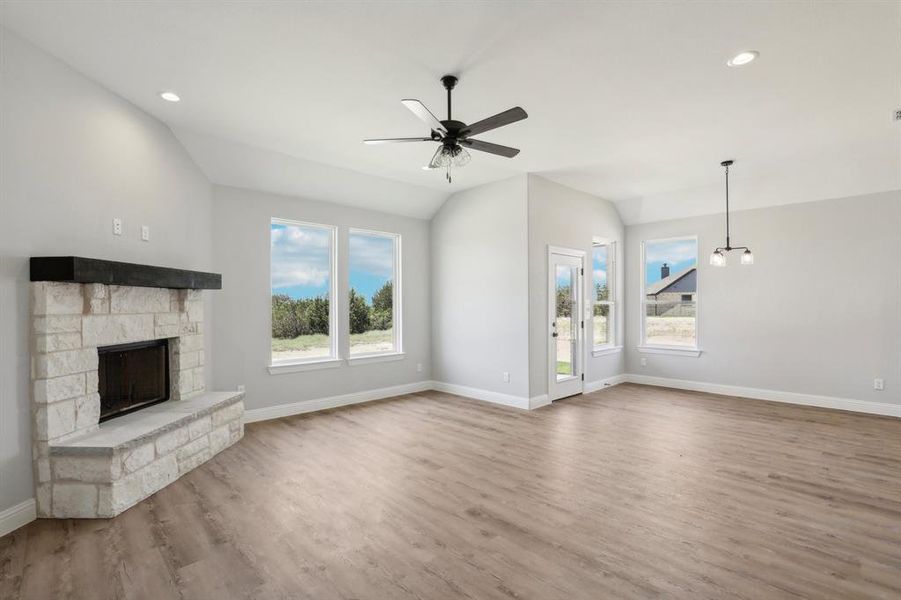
499 120
491 148
419 109
397 140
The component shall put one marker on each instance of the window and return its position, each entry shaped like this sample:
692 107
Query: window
374 283
670 293
302 261
603 258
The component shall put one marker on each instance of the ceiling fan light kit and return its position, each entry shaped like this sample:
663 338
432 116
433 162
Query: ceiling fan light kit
454 136
718 256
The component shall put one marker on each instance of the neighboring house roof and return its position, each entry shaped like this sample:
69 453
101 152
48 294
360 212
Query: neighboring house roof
684 282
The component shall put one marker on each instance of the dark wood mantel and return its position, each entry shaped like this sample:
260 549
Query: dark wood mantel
75 269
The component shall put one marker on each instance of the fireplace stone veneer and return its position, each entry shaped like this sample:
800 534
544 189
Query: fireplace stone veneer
87 469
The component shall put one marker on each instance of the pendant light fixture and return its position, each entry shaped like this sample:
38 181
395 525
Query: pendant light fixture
718 258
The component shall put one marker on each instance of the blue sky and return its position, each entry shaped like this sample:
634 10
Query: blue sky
599 266
371 262
300 261
678 254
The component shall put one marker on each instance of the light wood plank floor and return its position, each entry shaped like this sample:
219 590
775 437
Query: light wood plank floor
632 492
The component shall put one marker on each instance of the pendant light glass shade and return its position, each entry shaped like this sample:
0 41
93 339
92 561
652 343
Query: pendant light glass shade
747 257
717 259
461 157
447 157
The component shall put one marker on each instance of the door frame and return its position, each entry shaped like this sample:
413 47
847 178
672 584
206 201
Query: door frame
579 293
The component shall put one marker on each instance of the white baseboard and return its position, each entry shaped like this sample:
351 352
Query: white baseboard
538 401
305 406
593 386
17 516
296 408
479 394
862 406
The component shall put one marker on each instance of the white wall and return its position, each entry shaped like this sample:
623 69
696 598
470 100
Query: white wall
819 313
73 156
480 289
241 328
562 216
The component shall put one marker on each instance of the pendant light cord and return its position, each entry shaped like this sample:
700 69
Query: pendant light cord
728 244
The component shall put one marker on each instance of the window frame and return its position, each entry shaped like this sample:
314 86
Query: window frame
612 316
396 312
333 359
678 350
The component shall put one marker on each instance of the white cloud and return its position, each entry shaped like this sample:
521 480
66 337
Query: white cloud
285 276
300 256
600 276
372 254
671 252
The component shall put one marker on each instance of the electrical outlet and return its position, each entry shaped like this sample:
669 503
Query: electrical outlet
117 226
644 361
506 377
419 367
879 384
240 388
898 115
145 233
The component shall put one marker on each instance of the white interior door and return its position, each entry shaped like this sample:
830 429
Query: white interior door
567 328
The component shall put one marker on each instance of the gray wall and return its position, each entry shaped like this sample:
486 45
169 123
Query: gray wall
480 288
819 312
242 325
73 156
562 216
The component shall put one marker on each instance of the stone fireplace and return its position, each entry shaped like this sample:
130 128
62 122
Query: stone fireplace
119 404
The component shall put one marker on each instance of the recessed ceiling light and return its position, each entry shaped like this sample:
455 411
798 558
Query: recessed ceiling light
743 58
169 96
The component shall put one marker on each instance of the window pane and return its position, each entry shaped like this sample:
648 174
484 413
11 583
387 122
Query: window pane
599 273
371 303
300 279
601 292
671 288
566 341
601 324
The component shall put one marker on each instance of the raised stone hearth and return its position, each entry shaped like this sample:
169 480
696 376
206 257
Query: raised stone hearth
84 468
130 457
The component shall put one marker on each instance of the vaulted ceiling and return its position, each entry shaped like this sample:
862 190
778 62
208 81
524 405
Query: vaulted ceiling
630 101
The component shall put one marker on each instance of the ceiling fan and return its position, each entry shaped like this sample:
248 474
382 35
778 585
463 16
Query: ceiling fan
455 136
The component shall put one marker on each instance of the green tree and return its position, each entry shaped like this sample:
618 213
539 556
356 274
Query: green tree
318 314
564 302
284 319
359 313
382 307
305 316
384 298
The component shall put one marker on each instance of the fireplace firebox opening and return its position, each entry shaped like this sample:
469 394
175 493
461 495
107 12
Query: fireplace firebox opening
132 376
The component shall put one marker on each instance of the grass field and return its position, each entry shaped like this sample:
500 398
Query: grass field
316 345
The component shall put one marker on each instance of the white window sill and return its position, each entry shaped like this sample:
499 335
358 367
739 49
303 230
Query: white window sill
605 350
365 359
307 365
670 350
